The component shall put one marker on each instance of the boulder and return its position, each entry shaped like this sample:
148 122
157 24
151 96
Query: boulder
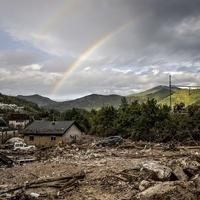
196 180
162 172
189 166
180 174
170 190
144 185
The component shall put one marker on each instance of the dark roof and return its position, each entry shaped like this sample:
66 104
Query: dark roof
19 116
49 127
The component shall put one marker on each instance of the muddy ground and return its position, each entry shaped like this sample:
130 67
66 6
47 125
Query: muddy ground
124 172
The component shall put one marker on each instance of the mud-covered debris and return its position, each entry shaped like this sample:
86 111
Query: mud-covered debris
67 183
132 170
5 160
22 196
171 147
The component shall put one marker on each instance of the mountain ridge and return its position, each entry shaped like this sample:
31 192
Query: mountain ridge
88 102
160 93
38 99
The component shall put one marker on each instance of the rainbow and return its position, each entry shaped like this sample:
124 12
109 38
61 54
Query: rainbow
87 53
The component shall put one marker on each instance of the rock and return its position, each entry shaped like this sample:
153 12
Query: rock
188 165
34 194
180 174
144 185
162 172
196 180
170 190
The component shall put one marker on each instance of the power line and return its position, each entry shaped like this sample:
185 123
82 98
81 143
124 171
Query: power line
179 86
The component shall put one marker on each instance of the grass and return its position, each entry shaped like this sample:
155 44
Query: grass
183 96
161 94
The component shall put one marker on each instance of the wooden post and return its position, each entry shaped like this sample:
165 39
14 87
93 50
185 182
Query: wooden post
189 90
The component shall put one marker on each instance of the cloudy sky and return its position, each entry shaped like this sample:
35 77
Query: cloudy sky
69 48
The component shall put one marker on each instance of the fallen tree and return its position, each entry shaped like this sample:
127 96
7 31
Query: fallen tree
66 182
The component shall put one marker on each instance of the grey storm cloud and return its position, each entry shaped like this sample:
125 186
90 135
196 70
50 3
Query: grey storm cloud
18 58
148 40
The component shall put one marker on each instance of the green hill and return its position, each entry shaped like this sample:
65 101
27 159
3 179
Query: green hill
161 94
37 99
182 95
95 101
158 93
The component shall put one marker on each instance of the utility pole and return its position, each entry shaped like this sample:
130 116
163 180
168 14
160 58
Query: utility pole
170 91
189 90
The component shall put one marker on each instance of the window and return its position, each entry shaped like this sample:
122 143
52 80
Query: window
53 138
31 138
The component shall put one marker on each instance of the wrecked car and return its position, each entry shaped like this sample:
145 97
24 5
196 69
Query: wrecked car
110 141
23 146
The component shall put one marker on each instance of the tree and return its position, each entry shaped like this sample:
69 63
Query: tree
124 104
151 114
127 115
104 121
54 115
80 116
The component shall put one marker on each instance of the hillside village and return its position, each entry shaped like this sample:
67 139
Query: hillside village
11 107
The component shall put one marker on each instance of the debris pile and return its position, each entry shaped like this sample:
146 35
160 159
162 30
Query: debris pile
63 184
127 171
5 160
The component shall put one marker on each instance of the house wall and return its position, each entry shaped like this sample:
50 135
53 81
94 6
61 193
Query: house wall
42 140
72 133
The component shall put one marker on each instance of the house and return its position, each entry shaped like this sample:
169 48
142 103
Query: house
19 120
48 133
